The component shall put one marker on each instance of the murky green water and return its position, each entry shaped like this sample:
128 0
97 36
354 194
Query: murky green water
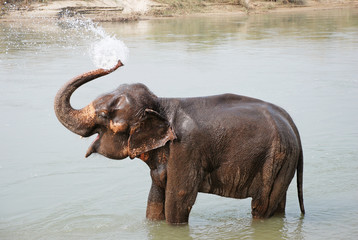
304 62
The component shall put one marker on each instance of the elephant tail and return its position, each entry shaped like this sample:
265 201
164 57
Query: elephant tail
300 181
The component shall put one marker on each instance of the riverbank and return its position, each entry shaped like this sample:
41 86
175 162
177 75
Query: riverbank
130 10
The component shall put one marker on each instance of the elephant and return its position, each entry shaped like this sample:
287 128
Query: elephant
229 145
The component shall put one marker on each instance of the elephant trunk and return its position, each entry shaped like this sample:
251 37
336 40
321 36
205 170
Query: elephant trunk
79 121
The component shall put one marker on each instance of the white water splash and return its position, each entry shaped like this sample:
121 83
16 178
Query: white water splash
104 50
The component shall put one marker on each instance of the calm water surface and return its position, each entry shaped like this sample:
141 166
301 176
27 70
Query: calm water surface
304 62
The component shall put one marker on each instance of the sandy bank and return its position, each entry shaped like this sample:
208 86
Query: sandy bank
97 10
128 10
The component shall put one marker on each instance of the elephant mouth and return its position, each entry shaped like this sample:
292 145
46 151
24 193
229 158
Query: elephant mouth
92 148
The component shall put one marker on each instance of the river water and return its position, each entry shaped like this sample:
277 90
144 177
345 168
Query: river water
305 62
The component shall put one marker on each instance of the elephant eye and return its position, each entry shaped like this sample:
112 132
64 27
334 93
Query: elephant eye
103 114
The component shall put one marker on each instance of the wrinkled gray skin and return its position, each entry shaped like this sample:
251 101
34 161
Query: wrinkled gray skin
229 145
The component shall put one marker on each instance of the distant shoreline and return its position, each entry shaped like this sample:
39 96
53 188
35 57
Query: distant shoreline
133 10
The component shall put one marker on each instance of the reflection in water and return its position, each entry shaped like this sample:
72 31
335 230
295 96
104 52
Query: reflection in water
162 230
277 228
200 32
304 62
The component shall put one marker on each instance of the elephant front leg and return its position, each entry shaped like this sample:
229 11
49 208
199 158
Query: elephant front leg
178 205
155 204
180 196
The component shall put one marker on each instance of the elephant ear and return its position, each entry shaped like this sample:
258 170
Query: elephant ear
152 132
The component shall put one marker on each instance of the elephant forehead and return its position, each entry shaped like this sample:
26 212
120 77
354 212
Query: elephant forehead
122 102
103 101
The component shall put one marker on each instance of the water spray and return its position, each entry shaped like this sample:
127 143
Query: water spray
105 50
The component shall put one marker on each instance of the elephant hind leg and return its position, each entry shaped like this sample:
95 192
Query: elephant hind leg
280 186
259 208
272 199
266 206
281 206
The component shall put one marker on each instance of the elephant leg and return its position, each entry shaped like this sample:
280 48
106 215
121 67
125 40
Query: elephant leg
281 206
281 183
259 207
267 205
272 201
180 193
155 204
178 204
273 195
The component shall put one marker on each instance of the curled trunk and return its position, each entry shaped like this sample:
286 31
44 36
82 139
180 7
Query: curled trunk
79 121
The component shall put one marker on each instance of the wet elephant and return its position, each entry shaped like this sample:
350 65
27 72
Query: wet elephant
228 145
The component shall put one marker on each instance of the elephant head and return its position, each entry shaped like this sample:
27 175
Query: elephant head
127 121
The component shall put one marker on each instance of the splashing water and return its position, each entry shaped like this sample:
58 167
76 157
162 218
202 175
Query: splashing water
106 50
69 32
